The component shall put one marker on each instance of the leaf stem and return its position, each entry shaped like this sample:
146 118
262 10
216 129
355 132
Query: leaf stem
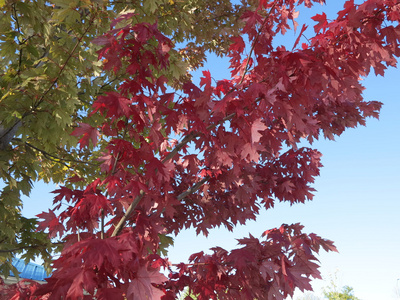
55 158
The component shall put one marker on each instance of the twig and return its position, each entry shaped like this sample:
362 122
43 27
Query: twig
193 189
102 224
56 158
255 41
115 163
31 246
19 42
128 212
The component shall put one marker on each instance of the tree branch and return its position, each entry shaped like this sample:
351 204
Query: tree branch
191 190
55 158
121 223
102 224
7 134
30 247
194 188
19 42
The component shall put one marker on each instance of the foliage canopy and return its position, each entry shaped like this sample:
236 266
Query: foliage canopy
97 96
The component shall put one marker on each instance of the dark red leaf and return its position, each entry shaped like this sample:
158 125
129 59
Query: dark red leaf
88 133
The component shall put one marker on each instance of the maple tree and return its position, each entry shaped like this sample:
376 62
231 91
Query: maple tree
49 78
164 154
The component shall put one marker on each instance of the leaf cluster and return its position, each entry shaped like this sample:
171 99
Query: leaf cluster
49 77
145 161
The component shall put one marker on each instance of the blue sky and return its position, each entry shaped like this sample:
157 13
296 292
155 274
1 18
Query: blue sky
357 203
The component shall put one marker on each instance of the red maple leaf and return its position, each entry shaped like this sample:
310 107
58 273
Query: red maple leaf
142 288
88 132
114 104
50 222
238 44
300 34
256 128
85 280
206 79
322 22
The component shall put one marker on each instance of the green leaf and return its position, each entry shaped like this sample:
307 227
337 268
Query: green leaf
165 242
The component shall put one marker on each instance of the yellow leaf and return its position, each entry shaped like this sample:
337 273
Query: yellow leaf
2 2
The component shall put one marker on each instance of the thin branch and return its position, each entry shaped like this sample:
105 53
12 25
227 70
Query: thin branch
49 156
99 92
41 99
255 41
19 43
30 247
115 163
193 189
102 224
108 83
16 18
55 158
187 139
19 61
133 205
127 214
191 264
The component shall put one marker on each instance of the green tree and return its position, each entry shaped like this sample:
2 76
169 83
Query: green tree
332 293
187 295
